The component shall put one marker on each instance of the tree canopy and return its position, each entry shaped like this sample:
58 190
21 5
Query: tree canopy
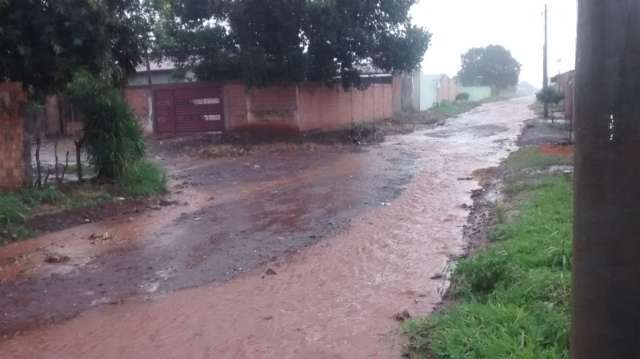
282 41
43 42
490 66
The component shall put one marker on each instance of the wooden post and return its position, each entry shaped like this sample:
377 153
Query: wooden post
606 251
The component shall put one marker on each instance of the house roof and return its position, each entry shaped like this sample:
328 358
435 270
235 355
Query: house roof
156 66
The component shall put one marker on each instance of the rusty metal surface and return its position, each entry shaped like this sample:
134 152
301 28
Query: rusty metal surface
188 109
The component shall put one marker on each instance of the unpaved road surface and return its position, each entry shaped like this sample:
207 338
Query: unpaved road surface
304 254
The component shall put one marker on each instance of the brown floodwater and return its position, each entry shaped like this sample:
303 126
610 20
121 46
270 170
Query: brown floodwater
351 238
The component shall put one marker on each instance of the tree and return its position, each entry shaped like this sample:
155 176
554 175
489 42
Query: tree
550 96
490 66
288 41
43 42
606 245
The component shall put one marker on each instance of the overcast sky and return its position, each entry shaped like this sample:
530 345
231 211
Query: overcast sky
458 25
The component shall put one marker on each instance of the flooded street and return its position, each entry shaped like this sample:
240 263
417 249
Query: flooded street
296 255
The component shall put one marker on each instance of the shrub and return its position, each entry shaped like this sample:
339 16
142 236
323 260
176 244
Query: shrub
481 274
462 97
143 178
550 96
112 135
12 210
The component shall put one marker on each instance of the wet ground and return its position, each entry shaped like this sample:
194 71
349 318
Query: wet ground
299 254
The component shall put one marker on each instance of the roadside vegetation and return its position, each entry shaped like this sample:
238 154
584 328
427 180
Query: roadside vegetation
511 298
451 109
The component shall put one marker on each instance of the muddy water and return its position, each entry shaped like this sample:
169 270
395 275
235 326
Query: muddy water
337 297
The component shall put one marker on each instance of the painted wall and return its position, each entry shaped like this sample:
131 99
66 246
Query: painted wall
14 142
138 99
428 91
306 107
476 93
159 78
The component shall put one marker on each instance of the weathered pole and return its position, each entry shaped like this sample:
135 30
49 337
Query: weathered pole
606 247
545 63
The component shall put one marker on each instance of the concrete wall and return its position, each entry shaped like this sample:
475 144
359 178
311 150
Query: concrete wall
447 90
14 144
476 93
329 108
308 106
138 99
305 107
160 78
428 91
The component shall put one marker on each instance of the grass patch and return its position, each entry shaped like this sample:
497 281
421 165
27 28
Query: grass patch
532 158
512 298
17 207
143 179
451 109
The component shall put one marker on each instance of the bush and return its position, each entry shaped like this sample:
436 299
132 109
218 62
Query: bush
550 96
143 178
112 135
12 210
463 97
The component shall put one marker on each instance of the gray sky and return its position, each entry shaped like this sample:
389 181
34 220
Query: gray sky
458 25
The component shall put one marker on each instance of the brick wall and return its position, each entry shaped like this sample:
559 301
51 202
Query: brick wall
138 99
13 138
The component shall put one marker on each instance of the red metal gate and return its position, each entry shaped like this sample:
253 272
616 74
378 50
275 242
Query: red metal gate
189 109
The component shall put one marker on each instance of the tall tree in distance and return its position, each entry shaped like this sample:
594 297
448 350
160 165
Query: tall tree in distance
284 41
490 66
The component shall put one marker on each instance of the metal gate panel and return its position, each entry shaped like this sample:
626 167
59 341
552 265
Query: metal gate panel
199 109
195 108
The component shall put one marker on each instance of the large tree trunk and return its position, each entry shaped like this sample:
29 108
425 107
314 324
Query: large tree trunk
606 259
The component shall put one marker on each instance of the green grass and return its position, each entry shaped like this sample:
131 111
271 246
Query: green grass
143 179
451 109
16 208
512 298
531 158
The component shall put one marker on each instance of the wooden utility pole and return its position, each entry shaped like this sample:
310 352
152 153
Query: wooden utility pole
545 63
606 247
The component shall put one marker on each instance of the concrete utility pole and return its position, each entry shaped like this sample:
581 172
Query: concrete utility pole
545 63
606 247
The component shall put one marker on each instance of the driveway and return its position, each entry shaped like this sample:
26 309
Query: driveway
301 254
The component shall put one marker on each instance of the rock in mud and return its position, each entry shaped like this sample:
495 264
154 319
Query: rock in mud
271 272
56 259
402 316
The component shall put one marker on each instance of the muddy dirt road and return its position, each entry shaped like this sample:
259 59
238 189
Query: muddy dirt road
304 254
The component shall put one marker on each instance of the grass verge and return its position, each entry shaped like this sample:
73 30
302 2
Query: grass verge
143 179
451 109
512 297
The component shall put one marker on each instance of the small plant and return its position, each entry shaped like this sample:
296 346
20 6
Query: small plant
463 97
143 178
112 136
550 96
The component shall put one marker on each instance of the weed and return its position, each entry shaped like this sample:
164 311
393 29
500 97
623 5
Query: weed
143 178
532 159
